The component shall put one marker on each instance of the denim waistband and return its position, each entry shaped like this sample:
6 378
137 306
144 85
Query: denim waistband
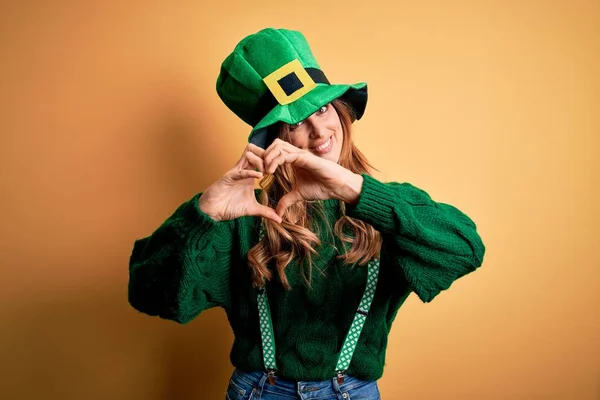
258 380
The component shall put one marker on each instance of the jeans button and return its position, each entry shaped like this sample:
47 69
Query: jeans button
345 395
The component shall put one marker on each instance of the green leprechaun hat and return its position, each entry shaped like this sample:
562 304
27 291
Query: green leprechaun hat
272 76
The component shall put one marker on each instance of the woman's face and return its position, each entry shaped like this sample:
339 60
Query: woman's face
321 134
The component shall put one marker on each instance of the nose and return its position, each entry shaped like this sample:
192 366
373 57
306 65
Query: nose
318 129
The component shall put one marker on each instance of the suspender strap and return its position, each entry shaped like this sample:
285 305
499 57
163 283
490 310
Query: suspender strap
266 333
345 356
359 319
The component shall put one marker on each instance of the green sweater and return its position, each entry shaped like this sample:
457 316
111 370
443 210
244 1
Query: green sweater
192 263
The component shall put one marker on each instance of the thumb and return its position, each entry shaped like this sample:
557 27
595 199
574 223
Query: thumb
266 212
289 199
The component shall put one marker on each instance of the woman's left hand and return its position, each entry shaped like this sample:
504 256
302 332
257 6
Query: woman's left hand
316 177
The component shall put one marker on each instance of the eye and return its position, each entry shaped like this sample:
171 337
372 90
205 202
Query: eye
323 109
296 125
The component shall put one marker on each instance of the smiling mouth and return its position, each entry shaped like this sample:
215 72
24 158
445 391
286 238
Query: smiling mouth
323 148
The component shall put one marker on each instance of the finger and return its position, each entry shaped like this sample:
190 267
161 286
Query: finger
259 151
282 159
265 212
255 161
287 200
250 148
276 162
283 144
270 154
279 143
245 174
275 143
276 148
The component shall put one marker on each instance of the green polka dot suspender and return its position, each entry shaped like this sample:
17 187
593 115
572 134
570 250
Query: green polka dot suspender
266 325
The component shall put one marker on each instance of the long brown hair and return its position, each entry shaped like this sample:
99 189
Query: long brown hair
294 237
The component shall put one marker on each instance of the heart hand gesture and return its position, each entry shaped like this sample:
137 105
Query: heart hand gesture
232 196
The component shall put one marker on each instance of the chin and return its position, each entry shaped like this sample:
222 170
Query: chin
333 157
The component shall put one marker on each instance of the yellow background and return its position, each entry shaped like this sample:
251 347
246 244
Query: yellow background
109 119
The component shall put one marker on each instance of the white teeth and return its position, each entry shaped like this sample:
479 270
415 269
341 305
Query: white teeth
324 145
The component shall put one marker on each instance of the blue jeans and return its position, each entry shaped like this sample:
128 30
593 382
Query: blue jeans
255 386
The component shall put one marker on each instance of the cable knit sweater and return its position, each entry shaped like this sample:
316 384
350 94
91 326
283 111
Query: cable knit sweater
192 263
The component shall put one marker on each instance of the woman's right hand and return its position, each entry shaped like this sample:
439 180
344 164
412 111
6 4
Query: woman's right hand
232 196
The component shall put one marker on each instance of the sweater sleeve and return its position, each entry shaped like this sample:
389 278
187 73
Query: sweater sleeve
182 268
432 244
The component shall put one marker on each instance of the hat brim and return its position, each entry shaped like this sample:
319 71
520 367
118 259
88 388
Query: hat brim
304 107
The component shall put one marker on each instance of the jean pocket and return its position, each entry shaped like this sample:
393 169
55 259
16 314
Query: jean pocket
234 391
240 389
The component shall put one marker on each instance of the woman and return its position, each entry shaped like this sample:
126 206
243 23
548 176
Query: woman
312 268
